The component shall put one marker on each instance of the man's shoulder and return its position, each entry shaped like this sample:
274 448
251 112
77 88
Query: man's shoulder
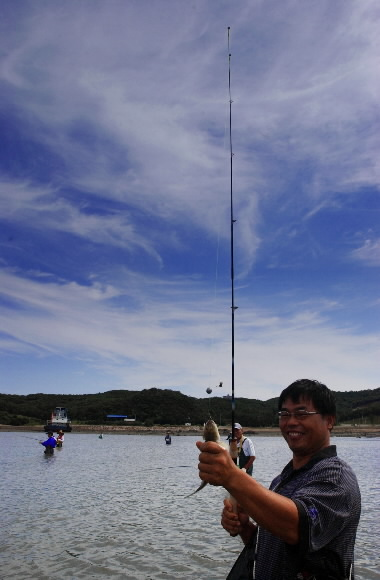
325 466
248 443
335 470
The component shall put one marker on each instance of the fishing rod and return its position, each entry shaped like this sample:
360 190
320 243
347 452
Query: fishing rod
233 306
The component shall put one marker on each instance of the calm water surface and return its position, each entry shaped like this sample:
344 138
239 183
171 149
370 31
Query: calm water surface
115 508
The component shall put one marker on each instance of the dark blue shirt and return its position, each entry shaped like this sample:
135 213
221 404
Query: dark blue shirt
327 496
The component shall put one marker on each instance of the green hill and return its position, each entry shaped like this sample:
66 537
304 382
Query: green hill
169 407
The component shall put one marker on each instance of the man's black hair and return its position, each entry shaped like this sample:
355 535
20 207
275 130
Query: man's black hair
322 398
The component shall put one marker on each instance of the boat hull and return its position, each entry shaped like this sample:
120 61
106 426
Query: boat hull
65 427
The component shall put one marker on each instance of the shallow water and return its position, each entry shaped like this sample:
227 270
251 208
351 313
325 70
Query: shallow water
115 508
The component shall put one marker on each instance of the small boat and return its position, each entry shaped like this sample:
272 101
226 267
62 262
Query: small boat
59 420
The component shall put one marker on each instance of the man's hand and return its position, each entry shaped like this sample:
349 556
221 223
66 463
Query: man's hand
236 521
215 464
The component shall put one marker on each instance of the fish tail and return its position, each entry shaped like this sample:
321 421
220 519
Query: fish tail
202 485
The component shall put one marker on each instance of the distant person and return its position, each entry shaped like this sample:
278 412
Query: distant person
304 526
168 439
49 444
60 438
246 450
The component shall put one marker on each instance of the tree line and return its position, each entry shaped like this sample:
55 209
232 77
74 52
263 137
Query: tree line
169 407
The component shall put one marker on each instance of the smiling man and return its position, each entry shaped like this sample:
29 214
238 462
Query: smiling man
304 526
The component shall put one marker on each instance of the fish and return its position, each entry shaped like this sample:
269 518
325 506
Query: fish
210 433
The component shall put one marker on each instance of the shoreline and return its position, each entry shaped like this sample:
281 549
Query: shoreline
184 430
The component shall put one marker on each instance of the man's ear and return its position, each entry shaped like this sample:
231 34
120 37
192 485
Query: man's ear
331 420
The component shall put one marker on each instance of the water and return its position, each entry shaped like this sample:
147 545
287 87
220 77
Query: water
115 508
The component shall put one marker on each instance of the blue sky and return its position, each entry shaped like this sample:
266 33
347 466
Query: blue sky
115 191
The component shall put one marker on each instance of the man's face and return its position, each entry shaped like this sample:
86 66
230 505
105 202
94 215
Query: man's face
238 433
305 435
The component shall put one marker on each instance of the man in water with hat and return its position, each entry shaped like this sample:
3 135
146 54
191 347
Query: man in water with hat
49 444
246 450
60 438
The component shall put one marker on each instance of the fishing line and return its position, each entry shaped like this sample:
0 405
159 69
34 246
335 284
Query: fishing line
212 373
166 467
26 437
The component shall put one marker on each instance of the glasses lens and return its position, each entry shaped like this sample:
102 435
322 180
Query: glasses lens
296 414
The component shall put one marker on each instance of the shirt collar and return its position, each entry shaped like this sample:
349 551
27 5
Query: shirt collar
325 453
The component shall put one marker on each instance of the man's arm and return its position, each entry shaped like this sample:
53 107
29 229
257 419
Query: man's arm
249 451
249 462
278 514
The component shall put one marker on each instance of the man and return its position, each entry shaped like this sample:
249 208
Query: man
49 444
60 438
305 524
246 450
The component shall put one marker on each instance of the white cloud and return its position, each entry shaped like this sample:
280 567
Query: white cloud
23 203
122 143
368 253
182 342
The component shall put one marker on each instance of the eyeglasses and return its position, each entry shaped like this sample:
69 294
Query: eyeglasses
297 414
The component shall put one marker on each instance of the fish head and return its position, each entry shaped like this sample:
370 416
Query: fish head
210 431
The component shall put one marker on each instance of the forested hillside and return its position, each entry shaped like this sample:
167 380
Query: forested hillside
169 407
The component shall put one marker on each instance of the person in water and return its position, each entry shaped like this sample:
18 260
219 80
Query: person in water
60 438
168 439
304 526
49 444
246 449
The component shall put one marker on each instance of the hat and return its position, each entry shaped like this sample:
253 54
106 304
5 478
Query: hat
237 426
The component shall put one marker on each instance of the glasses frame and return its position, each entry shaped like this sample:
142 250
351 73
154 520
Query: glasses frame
285 415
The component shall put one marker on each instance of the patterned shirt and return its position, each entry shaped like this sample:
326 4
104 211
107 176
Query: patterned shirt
327 496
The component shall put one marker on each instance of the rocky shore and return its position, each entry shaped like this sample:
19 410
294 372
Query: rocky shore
183 430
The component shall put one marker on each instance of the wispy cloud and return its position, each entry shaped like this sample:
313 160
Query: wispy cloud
114 193
369 253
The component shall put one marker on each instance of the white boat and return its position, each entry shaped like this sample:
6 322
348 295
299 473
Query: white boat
59 420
